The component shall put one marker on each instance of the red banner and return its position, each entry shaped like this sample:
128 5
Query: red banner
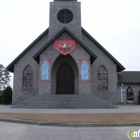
64 46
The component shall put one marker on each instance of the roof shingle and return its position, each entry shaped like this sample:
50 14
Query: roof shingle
129 77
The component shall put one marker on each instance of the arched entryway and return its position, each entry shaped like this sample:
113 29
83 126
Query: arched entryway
130 95
61 63
65 79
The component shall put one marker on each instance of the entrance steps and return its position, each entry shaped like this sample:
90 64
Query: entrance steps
64 102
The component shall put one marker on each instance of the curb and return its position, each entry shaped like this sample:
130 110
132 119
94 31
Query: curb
70 124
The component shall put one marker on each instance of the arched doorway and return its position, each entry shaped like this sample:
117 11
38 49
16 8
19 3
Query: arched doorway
130 95
65 79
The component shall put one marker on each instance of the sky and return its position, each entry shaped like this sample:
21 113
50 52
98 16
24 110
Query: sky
115 24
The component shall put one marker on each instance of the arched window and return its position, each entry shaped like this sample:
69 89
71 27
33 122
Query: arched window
102 77
130 95
27 78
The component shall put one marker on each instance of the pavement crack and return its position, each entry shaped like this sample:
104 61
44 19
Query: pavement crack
79 135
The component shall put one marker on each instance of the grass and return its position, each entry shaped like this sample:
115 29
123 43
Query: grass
75 118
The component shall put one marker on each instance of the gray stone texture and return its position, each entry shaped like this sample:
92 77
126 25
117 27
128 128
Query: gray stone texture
74 26
134 87
25 60
102 59
111 94
57 60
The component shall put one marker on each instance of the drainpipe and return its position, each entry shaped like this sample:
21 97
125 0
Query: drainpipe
122 93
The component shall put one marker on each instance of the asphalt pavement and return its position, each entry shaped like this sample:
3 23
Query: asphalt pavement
25 130
15 131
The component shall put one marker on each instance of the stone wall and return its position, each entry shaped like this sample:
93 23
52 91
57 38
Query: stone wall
57 59
90 87
74 26
134 87
25 60
111 93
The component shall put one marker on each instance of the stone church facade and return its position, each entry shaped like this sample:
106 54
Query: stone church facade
66 60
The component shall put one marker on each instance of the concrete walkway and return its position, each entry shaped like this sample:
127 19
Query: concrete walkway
121 109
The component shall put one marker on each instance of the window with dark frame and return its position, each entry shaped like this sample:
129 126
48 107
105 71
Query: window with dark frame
65 16
102 77
27 78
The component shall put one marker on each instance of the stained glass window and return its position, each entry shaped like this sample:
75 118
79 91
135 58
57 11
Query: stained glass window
27 78
102 76
45 70
84 68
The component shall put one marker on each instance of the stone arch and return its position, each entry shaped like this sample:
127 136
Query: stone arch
130 95
27 79
61 59
102 77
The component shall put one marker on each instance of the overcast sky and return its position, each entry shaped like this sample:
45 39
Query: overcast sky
115 24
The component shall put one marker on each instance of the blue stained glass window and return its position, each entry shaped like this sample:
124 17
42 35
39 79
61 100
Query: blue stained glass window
45 70
84 70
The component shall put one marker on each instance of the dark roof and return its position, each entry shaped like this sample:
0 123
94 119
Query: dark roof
10 67
120 67
129 77
92 55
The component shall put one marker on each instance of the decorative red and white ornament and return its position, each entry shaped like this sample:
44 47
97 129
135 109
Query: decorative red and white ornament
65 46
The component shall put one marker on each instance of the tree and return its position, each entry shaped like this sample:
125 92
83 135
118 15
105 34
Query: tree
6 97
4 77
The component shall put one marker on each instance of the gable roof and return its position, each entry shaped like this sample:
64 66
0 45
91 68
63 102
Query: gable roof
129 77
10 67
120 67
92 55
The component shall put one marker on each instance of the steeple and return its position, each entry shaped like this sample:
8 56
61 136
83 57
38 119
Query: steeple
65 13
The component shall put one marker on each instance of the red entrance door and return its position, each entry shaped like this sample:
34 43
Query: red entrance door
65 79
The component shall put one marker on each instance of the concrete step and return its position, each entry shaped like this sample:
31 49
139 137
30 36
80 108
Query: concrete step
64 101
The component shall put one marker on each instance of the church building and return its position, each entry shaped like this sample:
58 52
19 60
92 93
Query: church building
65 67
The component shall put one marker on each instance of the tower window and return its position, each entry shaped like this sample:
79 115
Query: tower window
65 16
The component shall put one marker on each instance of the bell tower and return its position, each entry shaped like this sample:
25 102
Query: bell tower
65 13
